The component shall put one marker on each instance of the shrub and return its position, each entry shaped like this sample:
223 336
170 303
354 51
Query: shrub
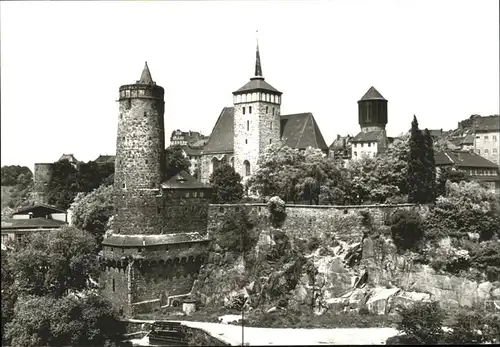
422 323
277 212
466 329
406 229
236 233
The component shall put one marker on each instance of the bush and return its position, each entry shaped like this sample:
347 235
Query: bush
236 233
466 329
277 212
422 323
406 229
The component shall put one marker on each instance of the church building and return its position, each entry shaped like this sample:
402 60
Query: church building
244 131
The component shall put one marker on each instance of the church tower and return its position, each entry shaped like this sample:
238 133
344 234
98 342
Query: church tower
139 164
372 111
256 120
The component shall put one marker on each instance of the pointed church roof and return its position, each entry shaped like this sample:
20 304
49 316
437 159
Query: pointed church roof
372 94
297 130
257 82
146 76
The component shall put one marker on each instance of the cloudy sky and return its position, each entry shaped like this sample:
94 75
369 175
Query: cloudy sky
62 64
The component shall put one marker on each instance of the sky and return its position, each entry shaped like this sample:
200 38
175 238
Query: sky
62 64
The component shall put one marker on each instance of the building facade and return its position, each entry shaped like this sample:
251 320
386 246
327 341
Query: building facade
487 137
372 118
244 131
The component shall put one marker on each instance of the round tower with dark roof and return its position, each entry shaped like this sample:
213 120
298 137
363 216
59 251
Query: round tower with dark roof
139 164
256 120
372 111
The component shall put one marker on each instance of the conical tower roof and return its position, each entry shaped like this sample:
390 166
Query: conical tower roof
372 94
146 76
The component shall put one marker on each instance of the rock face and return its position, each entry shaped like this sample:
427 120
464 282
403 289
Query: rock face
341 274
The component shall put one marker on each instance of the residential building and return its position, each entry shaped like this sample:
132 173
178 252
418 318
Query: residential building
487 137
341 148
478 168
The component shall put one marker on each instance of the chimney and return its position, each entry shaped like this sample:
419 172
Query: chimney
338 137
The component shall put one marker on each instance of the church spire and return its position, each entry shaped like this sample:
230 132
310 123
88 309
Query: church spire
146 76
258 67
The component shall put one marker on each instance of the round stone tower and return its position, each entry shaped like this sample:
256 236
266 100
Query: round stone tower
139 163
42 179
372 111
256 120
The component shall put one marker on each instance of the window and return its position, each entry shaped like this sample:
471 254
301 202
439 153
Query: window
267 109
146 161
111 249
247 167
5 238
19 238
478 151
494 151
486 151
369 144
139 249
248 124
362 144
271 125
243 110
270 141
201 194
494 138
123 185
250 109
478 137
272 112
355 145
114 285
145 114
355 154
121 116
186 194
246 141
486 138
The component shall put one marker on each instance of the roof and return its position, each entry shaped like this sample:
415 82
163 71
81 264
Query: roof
152 240
301 131
370 136
69 157
192 150
26 210
221 138
257 83
490 123
183 180
32 223
146 76
338 143
468 140
298 130
372 94
102 159
463 159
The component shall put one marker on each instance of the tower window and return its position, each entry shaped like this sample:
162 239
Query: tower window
121 116
128 104
248 124
145 114
271 125
270 141
146 161
114 285
246 141
250 109
267 109
243 110
123 185
247 167
272 111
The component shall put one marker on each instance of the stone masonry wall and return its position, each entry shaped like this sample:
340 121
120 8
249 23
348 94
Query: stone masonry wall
119 295
306 220
258 134
42 179
139 165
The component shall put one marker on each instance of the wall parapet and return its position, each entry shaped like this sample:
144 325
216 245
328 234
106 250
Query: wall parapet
337 207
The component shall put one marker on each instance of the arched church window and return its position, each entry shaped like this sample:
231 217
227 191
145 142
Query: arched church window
247 167
215 164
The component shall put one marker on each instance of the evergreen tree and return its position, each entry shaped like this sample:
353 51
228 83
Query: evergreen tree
417 189
430 166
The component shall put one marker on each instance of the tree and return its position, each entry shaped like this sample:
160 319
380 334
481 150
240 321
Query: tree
91 175
67 321
419 185
9 295
422 323
430 166
175 161
406 229
14 174
64 184
448 174
226 184
91 212
54 263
